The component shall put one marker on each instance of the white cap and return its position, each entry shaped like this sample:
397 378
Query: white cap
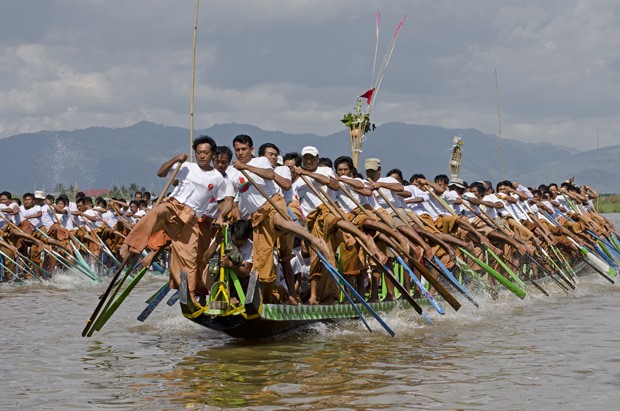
310 150
40 195
280 161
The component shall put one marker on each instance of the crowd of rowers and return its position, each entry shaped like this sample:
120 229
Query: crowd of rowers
289 217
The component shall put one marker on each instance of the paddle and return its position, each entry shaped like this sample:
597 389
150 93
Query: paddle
130 260
427 275
154 301
418 284
109 311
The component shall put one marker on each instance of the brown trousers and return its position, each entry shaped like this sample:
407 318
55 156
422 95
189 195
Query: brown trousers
179 223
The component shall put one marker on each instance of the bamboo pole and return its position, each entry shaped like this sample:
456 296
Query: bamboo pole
499 122
191 102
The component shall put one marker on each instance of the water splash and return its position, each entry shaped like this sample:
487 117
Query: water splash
66 163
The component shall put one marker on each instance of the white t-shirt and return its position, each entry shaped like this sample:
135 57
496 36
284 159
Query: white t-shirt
465 211
2 222
417 208
110 218
228 191
345 202
492 211
16 218
526 191
308 200
437 206
47 218
285 171
36 222
392 196
514 209
563 202
88 223
67 219
198 188
450 197
250 199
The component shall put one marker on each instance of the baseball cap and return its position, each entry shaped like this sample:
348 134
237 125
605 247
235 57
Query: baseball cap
39 195
310 150
372 164
457 182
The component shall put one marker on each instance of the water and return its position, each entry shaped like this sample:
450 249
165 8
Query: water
542 353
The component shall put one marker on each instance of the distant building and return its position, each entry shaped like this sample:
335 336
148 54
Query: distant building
95 193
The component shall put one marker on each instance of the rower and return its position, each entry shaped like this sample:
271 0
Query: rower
178 215
268 225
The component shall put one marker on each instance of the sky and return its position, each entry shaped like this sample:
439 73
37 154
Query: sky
298 65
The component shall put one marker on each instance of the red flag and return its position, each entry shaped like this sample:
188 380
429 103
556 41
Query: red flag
368 95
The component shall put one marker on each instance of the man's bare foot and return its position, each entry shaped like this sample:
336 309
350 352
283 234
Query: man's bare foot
293 300
372 247
124 252
148 260
470 247
321 245
418 253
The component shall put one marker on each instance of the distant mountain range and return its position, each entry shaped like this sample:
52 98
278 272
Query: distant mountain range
99 157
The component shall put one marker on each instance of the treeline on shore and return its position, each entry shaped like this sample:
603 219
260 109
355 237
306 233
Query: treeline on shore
608 203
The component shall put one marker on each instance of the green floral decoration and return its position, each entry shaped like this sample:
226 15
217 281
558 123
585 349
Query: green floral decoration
353 120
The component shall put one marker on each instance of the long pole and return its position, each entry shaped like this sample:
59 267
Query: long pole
598 171
191 102
499 122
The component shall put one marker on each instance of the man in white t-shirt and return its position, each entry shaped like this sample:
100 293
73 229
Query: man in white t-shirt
178 215
7 233
267 224
323 223
31 221
285 243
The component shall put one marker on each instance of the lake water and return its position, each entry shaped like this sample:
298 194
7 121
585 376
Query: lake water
543 353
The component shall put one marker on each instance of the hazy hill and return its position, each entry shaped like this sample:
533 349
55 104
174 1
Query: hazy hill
99 157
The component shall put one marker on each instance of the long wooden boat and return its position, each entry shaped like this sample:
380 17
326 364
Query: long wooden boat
253 320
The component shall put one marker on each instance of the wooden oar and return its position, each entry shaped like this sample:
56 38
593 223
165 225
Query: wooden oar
599 266
419 284
111 309
127 261
450 299
390 275
443 269
516 290
154 301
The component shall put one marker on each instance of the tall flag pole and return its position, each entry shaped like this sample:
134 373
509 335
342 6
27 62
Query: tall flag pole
191 101
499 122
598 171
